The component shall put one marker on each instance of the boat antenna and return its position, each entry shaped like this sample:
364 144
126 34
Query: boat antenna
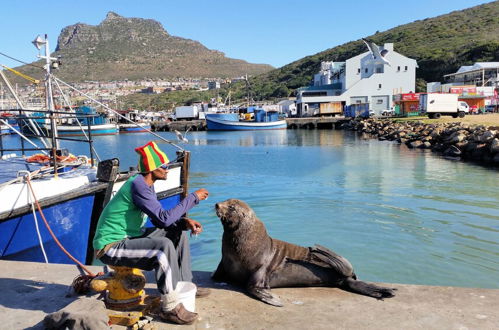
118 114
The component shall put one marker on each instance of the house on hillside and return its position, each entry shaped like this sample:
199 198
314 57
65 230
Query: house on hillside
480 74
370 78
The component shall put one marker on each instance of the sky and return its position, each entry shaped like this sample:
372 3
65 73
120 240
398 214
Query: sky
275 32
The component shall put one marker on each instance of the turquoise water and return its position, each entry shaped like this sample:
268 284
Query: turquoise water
398 215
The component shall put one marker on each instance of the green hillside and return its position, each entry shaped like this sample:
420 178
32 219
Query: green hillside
440 45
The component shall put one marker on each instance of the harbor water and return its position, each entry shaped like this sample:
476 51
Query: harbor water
398 215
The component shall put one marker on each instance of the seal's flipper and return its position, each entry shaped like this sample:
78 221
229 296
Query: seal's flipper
328 258
219 275
368 289
266 296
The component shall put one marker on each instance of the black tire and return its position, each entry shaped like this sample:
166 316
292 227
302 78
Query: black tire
437 115
430 115
454 115
461 114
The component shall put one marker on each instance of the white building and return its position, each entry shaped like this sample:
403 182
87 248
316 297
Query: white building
288 107
372 77
213 85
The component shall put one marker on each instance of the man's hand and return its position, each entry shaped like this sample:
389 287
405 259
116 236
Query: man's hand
202 194
194 226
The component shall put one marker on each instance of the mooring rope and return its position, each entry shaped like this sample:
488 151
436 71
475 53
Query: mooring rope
88 271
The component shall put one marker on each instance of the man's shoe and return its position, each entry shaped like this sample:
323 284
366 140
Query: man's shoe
202 292
179 315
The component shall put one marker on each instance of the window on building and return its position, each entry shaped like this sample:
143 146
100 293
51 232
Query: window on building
379 70
314 94
398 68
405 68
366 70
358 70
379 101
379 86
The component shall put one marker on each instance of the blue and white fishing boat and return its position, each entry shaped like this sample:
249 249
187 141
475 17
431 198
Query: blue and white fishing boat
54 198
262 120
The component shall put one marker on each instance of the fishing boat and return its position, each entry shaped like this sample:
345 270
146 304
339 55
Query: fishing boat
86 119
133 115
131 128
51 200
261 120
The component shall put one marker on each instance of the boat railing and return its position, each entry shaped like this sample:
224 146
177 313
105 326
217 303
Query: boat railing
21 120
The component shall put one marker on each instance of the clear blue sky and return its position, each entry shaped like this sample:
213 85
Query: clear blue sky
275 32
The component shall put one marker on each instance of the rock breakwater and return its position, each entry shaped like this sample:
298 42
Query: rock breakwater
458 140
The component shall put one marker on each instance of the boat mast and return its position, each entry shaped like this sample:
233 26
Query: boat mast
39 42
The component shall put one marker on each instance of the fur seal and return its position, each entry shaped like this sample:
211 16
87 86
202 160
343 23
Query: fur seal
253 259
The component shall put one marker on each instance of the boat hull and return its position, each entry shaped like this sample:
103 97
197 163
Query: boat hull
106 129
214 124
133 128
71 222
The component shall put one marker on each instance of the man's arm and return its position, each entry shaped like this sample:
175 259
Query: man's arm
145 199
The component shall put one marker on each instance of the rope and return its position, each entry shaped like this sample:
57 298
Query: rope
119 114
15 59
37 228
77 120
21 135
52 233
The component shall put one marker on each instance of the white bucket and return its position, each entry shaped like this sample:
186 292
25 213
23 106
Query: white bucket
187 295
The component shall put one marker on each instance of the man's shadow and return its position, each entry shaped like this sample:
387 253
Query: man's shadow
34 296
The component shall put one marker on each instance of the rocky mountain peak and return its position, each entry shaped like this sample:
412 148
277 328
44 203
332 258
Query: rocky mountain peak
133 48
112 15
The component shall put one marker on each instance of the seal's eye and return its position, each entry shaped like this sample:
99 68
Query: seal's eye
232 208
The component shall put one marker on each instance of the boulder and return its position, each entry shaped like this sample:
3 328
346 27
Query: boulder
487 136
452 151
415 144
494 146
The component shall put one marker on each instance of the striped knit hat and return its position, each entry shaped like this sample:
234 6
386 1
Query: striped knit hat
150 157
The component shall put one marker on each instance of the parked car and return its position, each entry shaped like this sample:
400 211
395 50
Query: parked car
388 112
490 108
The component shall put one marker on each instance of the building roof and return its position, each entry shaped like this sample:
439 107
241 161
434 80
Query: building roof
478 66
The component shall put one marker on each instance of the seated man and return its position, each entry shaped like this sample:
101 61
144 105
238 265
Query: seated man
122 240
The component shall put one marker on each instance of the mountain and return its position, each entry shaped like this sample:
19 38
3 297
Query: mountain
136 48
440 45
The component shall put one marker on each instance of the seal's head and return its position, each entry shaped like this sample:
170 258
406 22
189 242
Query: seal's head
233 213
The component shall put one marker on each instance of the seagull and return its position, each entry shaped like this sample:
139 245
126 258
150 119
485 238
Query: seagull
378 57
180 137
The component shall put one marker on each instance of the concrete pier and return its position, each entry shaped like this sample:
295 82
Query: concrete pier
292 123
29 291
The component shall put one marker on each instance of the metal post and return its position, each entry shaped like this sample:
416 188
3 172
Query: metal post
90 142
54 142
22 140
184 174
1 144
